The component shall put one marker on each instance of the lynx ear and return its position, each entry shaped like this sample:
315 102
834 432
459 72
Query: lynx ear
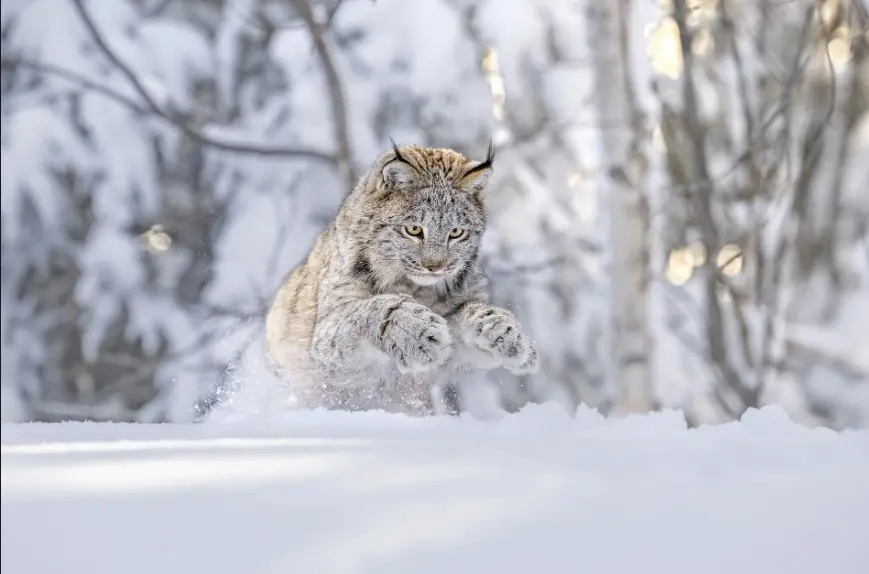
398 172
476 178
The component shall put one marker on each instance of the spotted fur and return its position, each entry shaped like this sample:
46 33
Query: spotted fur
390 300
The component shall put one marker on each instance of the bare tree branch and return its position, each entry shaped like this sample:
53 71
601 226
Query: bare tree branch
261 22
335 91
715 328
780 111
72 77
176 120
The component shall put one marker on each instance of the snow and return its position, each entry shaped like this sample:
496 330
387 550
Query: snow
369 492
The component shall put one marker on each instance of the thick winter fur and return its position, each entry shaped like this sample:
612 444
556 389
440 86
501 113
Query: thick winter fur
390 300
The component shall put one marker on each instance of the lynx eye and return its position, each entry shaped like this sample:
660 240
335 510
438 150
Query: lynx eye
413 230
456 233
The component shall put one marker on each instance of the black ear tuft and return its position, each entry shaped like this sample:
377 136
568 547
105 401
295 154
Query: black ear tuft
398 155
477 177
486 164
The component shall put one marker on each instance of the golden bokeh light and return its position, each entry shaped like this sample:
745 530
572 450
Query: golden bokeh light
839 49
665 49
697 252
680 267
156 240
729 260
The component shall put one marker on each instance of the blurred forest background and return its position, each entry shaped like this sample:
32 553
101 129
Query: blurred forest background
680 200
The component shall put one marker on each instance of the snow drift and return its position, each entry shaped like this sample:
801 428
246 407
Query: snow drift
539 491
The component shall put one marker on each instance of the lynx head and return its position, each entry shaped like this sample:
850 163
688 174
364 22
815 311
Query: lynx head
421 215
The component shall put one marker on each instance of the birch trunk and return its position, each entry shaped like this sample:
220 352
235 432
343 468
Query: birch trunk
624 205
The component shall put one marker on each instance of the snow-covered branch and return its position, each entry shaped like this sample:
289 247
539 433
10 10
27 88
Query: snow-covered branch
178 120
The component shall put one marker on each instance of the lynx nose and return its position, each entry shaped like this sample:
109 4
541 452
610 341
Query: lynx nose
433 265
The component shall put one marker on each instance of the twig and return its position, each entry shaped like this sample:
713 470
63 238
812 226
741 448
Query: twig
730 260
260 22
73 77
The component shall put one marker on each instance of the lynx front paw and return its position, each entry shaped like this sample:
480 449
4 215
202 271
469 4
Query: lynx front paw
416 338
496 331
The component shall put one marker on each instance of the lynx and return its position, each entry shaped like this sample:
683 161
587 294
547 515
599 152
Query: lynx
391 302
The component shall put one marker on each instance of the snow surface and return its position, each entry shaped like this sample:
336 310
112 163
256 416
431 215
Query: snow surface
537 491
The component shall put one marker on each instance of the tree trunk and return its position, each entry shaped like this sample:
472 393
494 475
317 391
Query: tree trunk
624 205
